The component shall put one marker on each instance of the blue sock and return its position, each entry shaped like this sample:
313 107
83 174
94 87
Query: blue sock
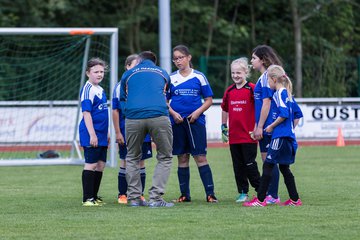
274 183
143 179
184 181
122 184
207 179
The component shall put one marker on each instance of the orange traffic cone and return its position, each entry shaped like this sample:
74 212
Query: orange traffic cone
340 142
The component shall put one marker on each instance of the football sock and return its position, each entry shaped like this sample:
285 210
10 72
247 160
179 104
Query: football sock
289 180
184 180
88 178
122 183
143 179
97 180
207 179
274 183
265 180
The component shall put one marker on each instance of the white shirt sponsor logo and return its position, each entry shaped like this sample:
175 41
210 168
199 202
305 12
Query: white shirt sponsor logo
102 106
187 92
237 109
237 102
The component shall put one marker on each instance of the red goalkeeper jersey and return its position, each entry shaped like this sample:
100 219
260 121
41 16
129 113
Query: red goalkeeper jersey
239 104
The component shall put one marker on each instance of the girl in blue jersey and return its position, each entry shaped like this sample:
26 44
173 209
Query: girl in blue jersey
119 125
283 144
187 89
93 131
263 56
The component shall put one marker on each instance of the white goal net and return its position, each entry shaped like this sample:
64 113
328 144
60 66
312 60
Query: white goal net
41 73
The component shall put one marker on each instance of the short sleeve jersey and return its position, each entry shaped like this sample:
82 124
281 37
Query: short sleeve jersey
239 104
117 106
297 110
186 93
93 100
262 91
284 109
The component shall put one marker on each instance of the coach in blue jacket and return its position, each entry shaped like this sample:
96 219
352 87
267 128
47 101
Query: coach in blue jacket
143 102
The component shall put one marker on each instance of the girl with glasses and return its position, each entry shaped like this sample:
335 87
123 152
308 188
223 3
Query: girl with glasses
188 87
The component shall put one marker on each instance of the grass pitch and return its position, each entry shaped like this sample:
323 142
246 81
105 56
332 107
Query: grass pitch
45 203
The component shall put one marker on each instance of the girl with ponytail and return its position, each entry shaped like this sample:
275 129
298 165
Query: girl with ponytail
283 143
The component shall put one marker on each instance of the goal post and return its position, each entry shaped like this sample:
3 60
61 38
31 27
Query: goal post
41 73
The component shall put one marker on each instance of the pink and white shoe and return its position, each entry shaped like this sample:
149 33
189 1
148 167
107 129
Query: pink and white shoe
290 202
270 200
255 202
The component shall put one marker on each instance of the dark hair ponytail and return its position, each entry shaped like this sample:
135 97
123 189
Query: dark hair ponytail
268 55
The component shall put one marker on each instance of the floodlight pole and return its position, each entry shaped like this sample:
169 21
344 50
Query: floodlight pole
165 35
113 81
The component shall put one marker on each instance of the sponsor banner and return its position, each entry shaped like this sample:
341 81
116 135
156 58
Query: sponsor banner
323 121
57 124
319 122
37 124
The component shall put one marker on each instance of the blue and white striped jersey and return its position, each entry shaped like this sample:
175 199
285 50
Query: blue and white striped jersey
116 104
93 100
262 91
285 109
186 93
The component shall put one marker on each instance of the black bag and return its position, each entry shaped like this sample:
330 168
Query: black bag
49 154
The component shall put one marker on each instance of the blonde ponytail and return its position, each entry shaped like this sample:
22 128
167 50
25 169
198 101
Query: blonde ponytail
277 72
288 86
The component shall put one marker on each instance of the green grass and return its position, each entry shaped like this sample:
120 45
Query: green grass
45 203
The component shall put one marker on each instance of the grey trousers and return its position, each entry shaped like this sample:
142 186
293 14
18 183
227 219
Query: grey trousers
161 133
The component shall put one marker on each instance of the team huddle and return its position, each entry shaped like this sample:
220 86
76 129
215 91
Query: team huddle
150 105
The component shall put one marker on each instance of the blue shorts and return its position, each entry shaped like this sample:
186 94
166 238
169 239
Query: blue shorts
146 151
264 143
282 151
95 154
189 138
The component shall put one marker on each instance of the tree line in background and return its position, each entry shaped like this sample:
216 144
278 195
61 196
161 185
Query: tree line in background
318 40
